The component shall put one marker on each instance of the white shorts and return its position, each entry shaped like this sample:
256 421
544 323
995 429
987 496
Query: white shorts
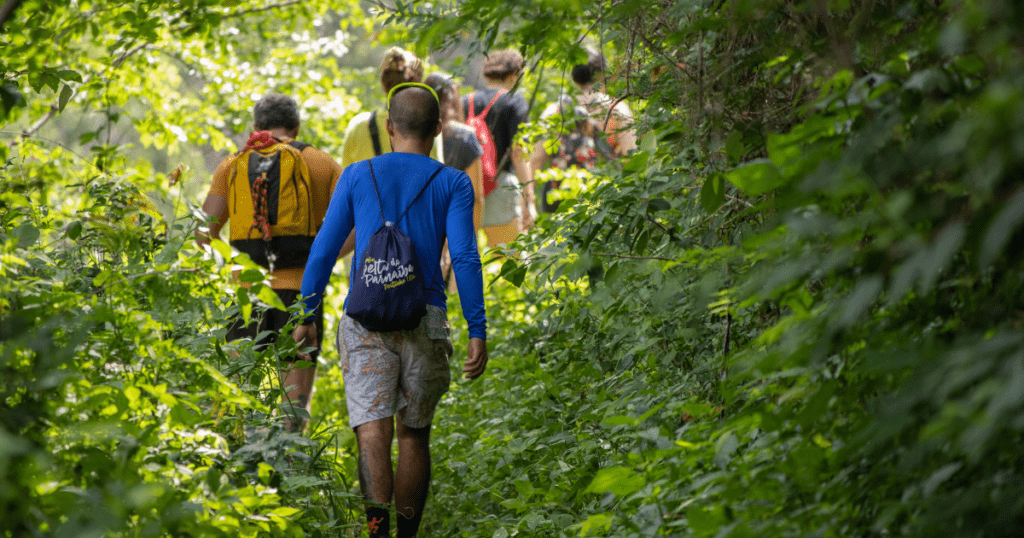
505 203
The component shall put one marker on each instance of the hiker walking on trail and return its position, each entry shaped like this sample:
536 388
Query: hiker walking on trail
365 136
578 143
394 337
613 116
496 113
275 192
462 150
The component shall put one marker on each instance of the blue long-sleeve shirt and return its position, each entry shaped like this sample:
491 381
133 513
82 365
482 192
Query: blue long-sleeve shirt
445 209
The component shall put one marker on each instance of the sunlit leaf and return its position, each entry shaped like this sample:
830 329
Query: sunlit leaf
756 177
619 481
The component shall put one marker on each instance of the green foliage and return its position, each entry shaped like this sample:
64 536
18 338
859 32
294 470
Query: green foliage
123 410
798 313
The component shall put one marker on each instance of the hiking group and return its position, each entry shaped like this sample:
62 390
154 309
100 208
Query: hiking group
412 222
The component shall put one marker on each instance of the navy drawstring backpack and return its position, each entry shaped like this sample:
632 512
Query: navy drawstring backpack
389 292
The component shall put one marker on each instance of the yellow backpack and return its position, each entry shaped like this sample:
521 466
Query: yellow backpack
271 205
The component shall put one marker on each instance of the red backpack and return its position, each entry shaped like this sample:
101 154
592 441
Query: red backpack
489 160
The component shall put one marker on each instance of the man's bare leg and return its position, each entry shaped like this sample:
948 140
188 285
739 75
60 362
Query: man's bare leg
412 480
376 479
299 384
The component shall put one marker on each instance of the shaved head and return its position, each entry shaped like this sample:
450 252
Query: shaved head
414 112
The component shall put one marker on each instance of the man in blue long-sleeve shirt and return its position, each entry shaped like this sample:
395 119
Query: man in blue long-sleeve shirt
401 372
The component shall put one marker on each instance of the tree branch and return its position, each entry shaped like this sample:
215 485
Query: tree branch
630 257
148 273
10 5
34 128
7 10
259 9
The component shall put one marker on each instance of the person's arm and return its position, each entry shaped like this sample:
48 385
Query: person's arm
476 175
521 159
349 246
621 127
338 224
350 243
521 164
539 159
216 204
468 274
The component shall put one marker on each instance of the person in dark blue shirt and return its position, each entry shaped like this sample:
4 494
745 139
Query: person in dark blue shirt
401 373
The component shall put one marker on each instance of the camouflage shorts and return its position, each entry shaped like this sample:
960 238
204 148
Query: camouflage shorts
385 372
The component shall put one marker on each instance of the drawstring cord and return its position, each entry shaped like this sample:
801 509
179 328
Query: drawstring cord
260 200
260 214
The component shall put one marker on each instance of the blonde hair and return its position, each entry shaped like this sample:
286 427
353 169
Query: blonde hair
398 66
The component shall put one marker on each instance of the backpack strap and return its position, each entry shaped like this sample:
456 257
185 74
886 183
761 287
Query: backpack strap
483 114
425 185
298 145
374 134
377 192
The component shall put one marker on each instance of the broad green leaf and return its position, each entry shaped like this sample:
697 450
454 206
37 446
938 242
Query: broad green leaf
73 230
221 247
756 177
659 204
269 296
251 276
723 452
244 304
705 522
619 420
65 94
734 148
650 412
10 97
1006 223
67 74
99 280
27 235
712 193
696 409
636 162
596 525
619 481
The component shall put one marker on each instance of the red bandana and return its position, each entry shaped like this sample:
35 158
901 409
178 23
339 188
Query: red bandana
260 140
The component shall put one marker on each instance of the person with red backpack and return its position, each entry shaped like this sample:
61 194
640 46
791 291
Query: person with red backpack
496 113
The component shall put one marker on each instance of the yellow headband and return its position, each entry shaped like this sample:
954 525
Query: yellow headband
410 85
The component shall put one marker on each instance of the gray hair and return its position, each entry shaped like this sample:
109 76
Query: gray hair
275 110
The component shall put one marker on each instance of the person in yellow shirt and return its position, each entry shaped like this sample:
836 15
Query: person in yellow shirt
366 136
276 120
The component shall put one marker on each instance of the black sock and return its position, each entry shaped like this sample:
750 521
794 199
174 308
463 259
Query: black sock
407 527
379 522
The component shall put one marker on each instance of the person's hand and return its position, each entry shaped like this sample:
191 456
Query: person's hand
529 215
305 336
476 363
